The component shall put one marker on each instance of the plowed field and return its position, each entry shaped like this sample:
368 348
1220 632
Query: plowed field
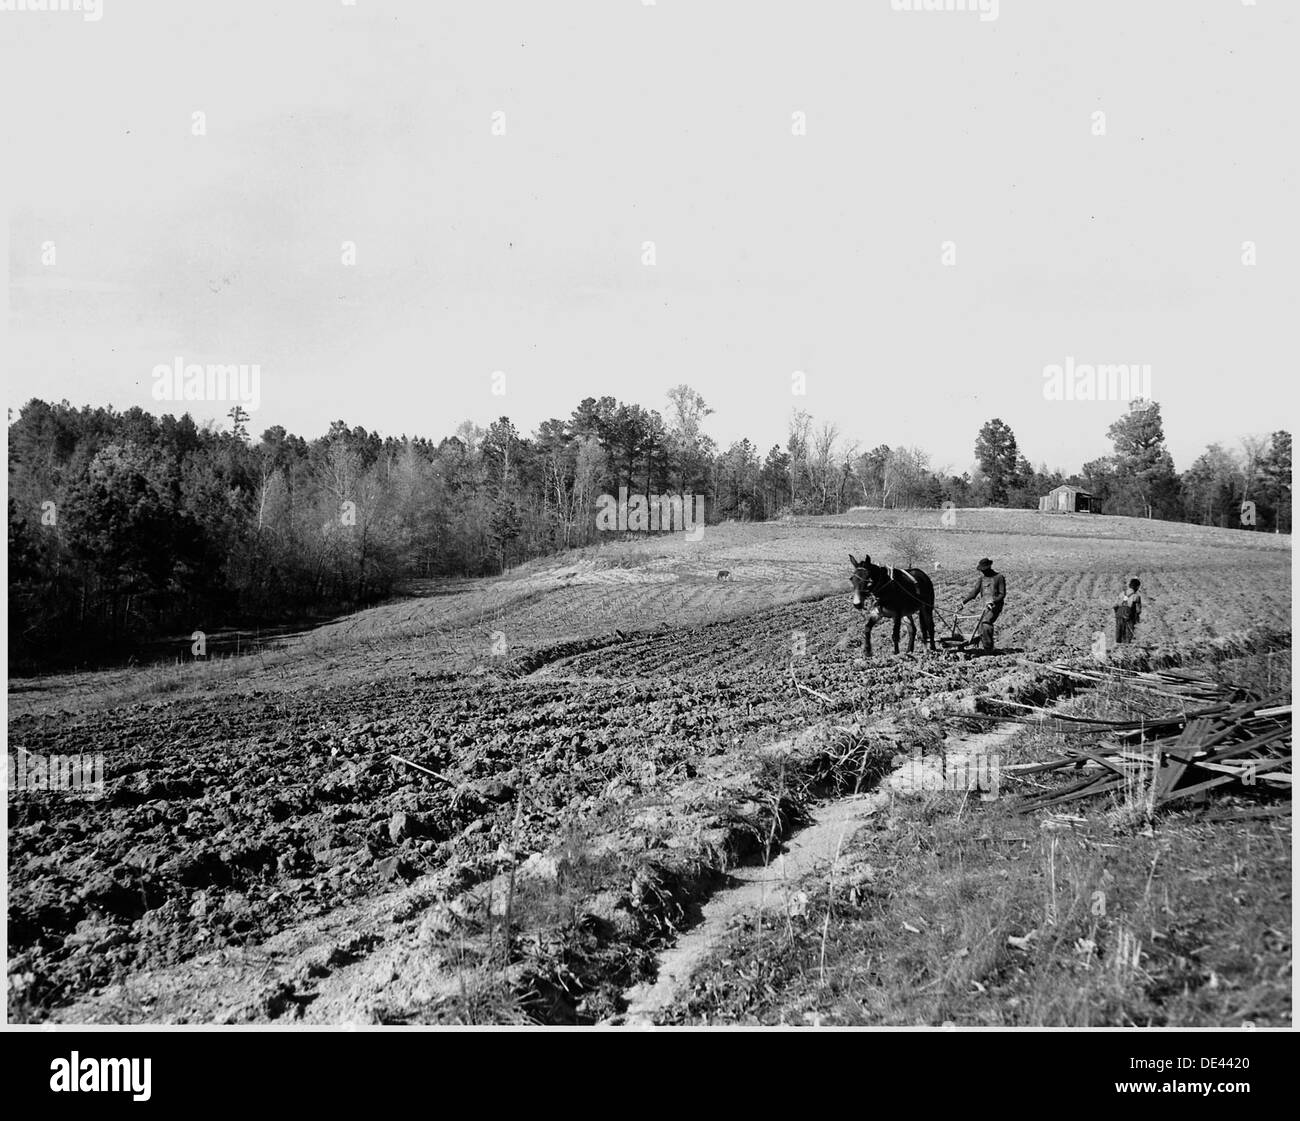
244 798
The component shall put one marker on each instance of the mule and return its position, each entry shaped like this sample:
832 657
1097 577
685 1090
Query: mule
897 594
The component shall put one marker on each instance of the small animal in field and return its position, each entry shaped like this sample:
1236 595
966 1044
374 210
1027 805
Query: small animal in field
724 574
896 593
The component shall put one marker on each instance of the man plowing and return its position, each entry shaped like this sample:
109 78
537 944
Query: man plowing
991 587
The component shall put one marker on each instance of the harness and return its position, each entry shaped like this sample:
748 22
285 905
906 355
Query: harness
893 574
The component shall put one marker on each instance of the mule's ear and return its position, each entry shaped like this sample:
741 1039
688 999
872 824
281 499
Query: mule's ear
853 562
866 560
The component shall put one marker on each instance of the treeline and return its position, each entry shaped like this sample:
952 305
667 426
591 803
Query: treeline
1139 480
124 526
822 472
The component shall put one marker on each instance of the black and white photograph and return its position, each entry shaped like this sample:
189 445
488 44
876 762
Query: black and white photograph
651 514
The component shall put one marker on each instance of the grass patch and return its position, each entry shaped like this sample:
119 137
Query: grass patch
960 911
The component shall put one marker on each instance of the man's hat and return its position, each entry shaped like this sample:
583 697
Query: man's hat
984 563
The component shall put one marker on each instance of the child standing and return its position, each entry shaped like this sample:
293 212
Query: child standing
1128 612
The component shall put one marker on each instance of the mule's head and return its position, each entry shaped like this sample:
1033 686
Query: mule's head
865 579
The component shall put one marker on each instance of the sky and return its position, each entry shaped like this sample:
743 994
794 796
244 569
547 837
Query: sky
918 211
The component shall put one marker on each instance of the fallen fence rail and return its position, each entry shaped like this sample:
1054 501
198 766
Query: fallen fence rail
1237 739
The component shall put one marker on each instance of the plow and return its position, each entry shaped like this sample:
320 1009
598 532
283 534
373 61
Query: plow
955 642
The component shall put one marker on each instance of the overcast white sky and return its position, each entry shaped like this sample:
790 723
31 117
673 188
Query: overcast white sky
671 123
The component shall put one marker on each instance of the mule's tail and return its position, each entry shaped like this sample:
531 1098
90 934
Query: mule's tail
925 593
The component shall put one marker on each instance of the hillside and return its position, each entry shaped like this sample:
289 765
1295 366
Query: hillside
330 829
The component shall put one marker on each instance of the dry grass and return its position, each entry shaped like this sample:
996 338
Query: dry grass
964 912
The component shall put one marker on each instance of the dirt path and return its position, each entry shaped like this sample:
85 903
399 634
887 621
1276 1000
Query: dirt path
767 887
774 885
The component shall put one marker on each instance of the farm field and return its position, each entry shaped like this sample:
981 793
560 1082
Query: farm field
1062 570
607 711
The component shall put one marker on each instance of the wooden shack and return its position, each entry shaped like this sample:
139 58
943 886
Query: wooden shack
1067 499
